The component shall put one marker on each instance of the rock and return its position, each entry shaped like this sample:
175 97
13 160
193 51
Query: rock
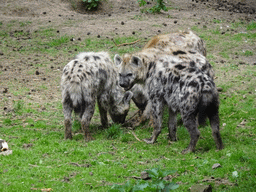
201 188
5 153
144 175
216 165
220 89
27 145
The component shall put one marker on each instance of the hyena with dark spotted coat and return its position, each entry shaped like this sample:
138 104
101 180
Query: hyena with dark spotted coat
90 77
171 43
181 82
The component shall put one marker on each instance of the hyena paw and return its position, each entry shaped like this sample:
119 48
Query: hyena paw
172 138
188 150
68 136
89 138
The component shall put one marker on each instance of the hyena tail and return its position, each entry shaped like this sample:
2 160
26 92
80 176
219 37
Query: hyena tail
75 94
209 103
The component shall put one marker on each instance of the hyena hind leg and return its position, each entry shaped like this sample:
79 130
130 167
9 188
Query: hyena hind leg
103 115
86 119
214 120
190 122
172 125
156 115
67 110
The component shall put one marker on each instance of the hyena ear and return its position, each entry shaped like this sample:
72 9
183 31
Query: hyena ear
127 97
136 61
117 59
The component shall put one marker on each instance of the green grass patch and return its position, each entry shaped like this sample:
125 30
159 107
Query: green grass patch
42 158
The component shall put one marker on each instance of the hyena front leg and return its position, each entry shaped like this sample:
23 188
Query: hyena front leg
86 119
156 115
172 125
103 115
190 122
67 111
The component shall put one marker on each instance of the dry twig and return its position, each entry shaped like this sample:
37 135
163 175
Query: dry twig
135 136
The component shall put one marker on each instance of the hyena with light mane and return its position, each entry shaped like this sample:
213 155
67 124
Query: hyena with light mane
164 44
182 80
185 40
90 77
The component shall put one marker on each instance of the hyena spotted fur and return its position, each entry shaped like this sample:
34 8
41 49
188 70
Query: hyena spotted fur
180 82
90 77
168 44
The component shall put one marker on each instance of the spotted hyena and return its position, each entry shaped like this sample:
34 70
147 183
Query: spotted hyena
185 40
90 77
183 83
172 44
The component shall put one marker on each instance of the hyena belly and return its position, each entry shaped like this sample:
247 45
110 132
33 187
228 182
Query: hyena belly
92 77
186 90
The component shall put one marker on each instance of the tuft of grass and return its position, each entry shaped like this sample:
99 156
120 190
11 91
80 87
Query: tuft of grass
251 25
114 131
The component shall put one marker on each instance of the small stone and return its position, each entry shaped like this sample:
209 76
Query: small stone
122 23
216 165
72 39
219 89
37 73
175 21
159 31
79 39
5 90
201 188
98 36
109 14
133 32
222 33
49 21
164 24
88 33
58 31
44 13
75 49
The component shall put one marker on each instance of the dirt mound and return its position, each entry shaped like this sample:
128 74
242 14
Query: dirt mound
235 6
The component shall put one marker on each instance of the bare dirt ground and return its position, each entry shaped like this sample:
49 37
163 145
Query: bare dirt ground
113 18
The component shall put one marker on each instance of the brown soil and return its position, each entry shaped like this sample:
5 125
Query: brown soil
113 18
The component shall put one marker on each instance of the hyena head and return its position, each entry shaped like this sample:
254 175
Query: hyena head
119 109
130 70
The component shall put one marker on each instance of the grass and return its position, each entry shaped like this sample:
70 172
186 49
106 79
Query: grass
115 155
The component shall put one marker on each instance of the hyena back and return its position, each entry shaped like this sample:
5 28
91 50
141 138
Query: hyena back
185 40
90 77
